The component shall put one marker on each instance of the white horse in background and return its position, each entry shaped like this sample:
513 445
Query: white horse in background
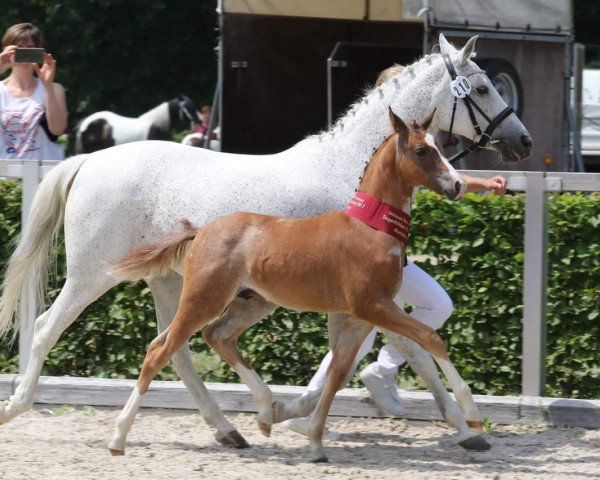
106 129
117 199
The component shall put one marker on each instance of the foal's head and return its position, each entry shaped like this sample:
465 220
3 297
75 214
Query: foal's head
420 162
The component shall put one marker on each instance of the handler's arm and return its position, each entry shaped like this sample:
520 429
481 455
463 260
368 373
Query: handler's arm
496 184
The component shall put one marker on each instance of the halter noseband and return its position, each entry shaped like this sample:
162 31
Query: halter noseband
482 138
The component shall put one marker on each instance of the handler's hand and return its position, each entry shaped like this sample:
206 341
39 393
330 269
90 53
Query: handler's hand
7 57
496 184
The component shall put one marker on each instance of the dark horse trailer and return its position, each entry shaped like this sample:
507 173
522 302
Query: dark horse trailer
289 68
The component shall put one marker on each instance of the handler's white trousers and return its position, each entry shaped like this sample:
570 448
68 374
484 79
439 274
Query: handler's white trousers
431 305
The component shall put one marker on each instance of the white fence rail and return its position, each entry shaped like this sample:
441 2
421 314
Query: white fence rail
537 185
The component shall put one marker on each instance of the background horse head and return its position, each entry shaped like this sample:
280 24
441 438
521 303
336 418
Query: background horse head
106 129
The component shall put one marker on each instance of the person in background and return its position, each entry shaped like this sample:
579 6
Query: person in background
205 117
33 108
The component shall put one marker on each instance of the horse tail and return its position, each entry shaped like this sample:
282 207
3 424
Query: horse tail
28 265
155 259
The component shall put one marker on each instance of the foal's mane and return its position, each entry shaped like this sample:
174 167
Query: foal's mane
414 126
375 152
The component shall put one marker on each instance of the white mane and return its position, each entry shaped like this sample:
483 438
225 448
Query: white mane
390 86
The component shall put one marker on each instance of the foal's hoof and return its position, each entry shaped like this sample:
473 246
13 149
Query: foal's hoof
475 425
116 452
477 444
265 428
231 439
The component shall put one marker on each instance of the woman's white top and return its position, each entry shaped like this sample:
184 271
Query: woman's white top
21 135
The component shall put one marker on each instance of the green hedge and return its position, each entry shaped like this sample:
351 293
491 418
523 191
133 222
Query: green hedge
475 250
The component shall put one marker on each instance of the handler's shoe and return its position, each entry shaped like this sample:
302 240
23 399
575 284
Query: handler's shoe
384 391
300 425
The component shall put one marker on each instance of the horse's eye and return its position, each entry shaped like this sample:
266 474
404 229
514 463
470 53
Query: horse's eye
482 90
420 151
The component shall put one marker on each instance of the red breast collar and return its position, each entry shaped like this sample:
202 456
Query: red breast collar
379 215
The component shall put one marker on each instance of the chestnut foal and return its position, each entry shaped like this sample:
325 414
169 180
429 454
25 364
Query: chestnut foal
345 262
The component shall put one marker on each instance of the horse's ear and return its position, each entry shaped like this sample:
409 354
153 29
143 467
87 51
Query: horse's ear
398 125
468 50
428 120
445 46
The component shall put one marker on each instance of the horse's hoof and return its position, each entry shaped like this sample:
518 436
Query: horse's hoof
231 439
116 452
322 458
475 425
477 444
264 428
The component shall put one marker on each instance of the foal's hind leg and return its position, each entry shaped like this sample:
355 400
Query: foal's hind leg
166 292
73 298
203 300
222 335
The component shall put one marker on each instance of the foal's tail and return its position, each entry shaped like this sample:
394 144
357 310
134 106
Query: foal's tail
26 271
155 259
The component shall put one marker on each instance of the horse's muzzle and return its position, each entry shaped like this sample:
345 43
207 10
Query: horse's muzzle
514 151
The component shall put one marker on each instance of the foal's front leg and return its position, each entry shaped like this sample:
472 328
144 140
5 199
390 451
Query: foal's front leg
424 366
388 316
351 337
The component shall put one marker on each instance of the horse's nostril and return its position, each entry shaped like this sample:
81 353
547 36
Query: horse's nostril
457 186
526 141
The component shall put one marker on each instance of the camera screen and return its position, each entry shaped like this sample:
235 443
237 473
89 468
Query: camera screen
29 55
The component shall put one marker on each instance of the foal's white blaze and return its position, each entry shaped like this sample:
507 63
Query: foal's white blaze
431 142
448 181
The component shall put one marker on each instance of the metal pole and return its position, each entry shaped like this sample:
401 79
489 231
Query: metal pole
330 65
215 113
578 64
534 286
